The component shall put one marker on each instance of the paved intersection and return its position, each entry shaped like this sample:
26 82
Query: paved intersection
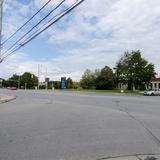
78 126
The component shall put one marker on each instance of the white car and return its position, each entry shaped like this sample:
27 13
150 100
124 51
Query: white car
152 92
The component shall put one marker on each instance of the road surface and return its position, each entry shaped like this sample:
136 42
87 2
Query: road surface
62 125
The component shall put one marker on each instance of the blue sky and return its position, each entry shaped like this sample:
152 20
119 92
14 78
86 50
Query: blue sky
95 34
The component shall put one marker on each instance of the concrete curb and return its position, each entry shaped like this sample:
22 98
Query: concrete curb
133 157
6 98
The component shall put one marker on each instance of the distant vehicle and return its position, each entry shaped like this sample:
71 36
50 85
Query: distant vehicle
13 88
155 92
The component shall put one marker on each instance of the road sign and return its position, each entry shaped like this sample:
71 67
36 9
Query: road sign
63 83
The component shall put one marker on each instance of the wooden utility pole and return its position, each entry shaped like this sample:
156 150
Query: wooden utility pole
1 17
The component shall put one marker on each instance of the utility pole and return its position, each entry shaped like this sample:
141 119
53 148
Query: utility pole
25 86
1 17
19 79
46 79
52 84
38 74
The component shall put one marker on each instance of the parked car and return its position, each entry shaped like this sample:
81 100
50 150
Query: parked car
13 88
155 92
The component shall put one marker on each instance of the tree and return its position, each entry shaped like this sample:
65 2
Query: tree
105 79
76 85
15 77
96 74
13 81
134 70
69 83
57 84
28 79
87 81
4 83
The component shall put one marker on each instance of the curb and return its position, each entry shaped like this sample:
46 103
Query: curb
133 157
7 98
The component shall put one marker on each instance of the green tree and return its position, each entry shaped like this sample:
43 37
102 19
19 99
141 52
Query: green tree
96 74
50 84
134 70
29 79
105 79
15 77
69 83
13 81
87 81
57 84
76 85
4 83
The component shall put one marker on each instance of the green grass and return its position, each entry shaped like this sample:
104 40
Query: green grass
106 91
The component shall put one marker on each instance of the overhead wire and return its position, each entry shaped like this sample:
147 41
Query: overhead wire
34 26
26 22
39 29
61 15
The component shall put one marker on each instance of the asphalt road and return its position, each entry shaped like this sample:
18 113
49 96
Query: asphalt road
77 126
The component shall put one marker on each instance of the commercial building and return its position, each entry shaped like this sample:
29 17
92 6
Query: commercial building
155 83
47 79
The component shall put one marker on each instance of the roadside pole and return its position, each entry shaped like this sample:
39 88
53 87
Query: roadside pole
25 86
1 17
38 75
46 79
52 85
19 78
46 85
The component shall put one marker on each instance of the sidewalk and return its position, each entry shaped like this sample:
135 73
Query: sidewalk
6 98
134 157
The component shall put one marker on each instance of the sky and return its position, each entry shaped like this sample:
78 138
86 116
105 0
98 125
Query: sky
94 35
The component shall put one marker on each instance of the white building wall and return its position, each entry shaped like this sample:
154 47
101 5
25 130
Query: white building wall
155 85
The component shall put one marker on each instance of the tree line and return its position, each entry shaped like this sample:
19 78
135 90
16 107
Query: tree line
30 81
27 79
131 70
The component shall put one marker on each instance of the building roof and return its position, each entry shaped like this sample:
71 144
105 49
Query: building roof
156 80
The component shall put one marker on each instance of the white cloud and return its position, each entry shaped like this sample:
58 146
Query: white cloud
94 35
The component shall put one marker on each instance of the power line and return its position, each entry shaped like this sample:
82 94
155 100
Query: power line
42 27
37 34
34 33
26 22
35 26
22 45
